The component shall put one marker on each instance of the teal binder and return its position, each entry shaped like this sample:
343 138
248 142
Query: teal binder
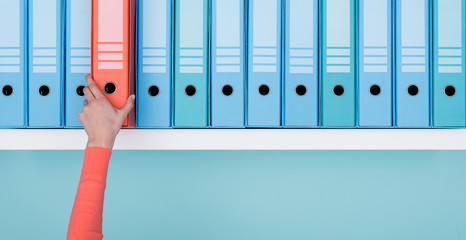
191 74
449 63
338 64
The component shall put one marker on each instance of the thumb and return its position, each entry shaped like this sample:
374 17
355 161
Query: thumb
128 106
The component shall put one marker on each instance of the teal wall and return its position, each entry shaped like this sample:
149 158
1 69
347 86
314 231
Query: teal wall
237 195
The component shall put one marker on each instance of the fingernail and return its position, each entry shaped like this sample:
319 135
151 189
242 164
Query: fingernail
133 97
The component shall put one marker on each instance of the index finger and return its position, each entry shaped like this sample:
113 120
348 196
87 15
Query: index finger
88 94
93 87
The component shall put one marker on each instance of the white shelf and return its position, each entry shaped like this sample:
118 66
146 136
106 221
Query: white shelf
242 139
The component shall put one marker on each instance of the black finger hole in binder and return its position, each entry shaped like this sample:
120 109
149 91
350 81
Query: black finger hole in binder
7 90
80 91
338 90
110 88
301 90
190 90
44 90
413 90
375 90
264 90
153 91
450 91
227 90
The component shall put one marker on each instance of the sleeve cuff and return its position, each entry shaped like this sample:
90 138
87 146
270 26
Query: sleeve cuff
96 161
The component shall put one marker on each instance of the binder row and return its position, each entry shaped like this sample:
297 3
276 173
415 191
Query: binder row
236 63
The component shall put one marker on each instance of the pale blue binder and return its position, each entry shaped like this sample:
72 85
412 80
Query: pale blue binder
45 64
301 87
264 63
191 64
228 64
449 63
154 64
338 77
375 64
413 64
78 58
13 80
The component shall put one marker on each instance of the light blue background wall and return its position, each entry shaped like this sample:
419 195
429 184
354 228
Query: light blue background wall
243 195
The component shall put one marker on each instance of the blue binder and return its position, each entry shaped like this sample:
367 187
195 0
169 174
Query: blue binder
301 86
191 72
375 64
338 64
264 66
78 58
413 61
154 60
449 63
13 81
227 72
45 64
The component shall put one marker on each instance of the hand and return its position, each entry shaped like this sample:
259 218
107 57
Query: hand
100 119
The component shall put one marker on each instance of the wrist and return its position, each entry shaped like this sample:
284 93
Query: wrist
100 143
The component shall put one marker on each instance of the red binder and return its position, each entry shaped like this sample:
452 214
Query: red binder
112 50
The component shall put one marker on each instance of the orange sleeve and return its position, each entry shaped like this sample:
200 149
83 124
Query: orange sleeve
86 217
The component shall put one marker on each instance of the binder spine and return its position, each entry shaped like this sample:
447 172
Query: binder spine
62 62
227 58
131 120
154 58
247 15
338 64
13 55
393 62
191 64
375 63
449 103
283 20
264 63
301 61
209 64
78 57
45 64
320 61
413 80
112 51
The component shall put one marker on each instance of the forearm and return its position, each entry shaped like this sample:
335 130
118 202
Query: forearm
86 217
